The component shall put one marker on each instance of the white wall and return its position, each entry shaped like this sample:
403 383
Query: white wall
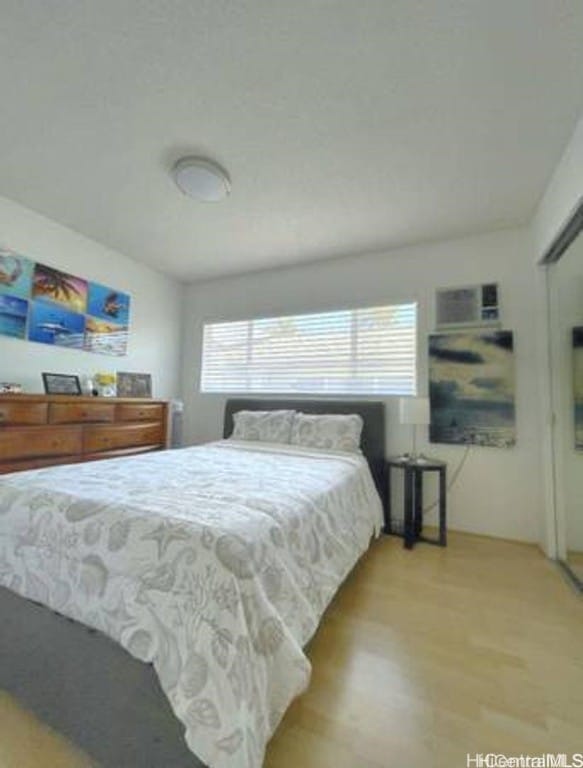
563 192
155 312
499 491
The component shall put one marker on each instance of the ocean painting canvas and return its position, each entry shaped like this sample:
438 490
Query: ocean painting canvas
49 284
108 304
15 274
13 313
578 385
105 338
471 388
51 324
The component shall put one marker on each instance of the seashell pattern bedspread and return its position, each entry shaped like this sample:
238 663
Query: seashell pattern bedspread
214 563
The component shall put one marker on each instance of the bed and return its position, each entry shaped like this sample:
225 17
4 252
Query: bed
212 564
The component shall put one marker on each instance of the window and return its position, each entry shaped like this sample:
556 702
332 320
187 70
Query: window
368 351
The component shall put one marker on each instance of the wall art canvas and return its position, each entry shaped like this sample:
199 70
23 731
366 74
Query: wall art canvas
52 324
44 304
471 388
13 313
108 304
578 385
49 284
105 338
15 274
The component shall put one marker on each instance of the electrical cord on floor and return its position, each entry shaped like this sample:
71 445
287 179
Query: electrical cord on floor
454 477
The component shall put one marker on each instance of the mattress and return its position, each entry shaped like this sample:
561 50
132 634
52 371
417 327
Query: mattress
214 563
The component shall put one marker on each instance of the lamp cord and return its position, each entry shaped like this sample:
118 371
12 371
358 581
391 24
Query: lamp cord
454 477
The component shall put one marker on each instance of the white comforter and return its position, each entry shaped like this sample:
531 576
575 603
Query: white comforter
215 563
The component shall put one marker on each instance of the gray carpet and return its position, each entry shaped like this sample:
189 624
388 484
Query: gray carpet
88 689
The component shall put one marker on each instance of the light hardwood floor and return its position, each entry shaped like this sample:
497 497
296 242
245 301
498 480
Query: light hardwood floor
422 657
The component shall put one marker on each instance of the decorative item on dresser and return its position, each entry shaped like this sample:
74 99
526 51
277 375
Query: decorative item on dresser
43 430
106 386
8 386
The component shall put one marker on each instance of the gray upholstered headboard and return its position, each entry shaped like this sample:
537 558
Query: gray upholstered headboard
373 431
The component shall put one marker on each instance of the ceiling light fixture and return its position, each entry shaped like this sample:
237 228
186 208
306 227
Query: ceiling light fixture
201 179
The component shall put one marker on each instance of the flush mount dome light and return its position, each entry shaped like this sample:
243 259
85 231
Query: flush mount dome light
201 179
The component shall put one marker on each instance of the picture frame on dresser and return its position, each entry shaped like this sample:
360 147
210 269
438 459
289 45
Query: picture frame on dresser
134 384
61 384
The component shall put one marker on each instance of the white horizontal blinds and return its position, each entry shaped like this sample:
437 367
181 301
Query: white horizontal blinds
226 357
386 350
362 351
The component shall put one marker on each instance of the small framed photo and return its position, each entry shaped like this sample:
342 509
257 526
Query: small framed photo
134 385
61 384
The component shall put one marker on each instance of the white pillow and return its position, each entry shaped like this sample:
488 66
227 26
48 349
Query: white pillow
329 431
264 426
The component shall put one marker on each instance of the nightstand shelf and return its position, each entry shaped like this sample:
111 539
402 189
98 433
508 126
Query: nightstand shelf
413 472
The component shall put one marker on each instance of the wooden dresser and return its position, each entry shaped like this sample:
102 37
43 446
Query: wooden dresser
41 430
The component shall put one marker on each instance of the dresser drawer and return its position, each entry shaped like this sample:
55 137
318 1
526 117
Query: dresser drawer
107 438
23 413
140 412
32 441
75 413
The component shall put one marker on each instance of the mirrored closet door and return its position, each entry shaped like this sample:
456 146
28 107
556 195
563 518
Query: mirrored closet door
565 293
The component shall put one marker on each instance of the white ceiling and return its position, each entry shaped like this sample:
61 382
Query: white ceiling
346 126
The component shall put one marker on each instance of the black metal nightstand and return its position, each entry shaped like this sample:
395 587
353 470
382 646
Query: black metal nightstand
413 470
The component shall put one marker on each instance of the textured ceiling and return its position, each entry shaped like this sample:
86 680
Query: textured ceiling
345 126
